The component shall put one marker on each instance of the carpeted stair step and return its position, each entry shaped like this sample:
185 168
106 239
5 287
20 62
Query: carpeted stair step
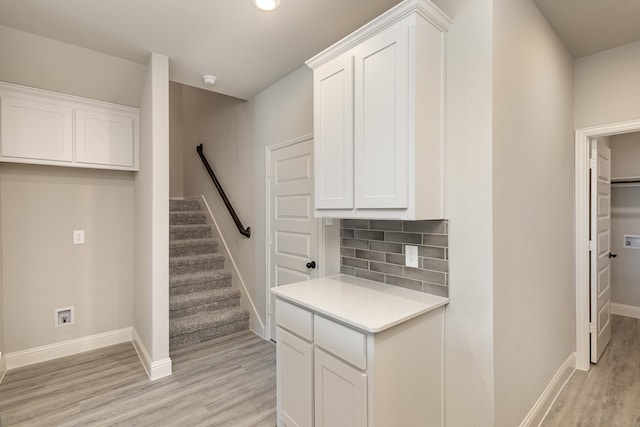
187 247
203 301
193 263
203 304
199 281
184 205
190 231
187 217
201 327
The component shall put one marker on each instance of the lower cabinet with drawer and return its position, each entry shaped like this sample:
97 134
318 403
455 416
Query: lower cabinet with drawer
333 374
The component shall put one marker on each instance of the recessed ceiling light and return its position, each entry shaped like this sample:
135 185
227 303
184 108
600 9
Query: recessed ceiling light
266 5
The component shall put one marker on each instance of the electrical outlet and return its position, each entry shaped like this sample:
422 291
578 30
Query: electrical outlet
78 237
411 256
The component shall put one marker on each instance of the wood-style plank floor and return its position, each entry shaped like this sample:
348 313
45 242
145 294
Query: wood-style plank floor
230 381
608 395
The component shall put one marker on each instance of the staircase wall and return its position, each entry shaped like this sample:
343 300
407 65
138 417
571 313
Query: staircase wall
235 133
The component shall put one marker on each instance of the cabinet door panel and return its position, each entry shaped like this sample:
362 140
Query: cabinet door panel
381 135
294 378
333 127
340 393
105 138
37 130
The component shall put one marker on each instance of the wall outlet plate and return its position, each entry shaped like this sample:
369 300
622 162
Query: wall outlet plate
78 237
64 316
411 256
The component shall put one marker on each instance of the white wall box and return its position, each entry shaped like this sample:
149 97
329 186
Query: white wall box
346 376
378 118
50 128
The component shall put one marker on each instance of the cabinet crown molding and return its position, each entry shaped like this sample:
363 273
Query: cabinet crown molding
423 8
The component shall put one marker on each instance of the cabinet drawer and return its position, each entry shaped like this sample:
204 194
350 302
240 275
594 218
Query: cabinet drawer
346 343
295 319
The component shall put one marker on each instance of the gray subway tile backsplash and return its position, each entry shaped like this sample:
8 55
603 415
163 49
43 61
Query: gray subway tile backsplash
411 238
388 225
369 235
374 250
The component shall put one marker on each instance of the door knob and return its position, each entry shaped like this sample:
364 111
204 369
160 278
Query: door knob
612 255
311 264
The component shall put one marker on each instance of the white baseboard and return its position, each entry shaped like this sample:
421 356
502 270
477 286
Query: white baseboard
66 348
3 366
625 310
155 370
550 394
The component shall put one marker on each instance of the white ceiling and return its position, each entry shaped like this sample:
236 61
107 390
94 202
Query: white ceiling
245 48
590 26
248 50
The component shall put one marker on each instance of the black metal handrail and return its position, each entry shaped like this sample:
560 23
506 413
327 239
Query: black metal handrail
244 231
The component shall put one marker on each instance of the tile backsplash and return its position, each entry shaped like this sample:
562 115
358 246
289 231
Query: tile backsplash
374 250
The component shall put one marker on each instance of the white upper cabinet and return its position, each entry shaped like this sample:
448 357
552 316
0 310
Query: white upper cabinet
105 137
37 129
378 118
43 127
333 122
381 140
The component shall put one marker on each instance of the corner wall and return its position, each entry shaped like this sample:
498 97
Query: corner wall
151 274
40 206
469 370
533 160
176 149
625 220
3 361
606 87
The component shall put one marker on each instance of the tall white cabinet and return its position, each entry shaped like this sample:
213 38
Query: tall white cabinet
378 118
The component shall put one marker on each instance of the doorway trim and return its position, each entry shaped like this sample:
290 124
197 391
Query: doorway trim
581 232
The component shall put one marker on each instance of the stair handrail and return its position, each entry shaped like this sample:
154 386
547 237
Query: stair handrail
244 231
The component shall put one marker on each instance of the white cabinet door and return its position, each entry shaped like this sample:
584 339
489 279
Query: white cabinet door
36 129
294 380
340 393
105 138
381 127
333 127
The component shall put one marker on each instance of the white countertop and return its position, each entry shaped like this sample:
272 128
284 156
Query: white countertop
363 304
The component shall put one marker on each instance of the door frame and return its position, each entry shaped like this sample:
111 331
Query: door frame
582 213
321 267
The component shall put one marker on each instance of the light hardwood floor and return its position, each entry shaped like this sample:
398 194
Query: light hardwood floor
230 381
608 395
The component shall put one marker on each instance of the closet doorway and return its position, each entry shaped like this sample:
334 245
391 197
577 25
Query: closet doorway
599 224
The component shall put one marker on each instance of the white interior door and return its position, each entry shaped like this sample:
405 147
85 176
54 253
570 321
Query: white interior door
600 298
293 230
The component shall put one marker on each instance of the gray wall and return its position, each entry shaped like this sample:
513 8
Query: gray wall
625 219
468 379
533 160
606 87
41 206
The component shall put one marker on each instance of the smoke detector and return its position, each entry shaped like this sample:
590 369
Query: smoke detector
209 80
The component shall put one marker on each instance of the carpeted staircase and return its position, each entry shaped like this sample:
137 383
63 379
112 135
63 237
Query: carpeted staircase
203 305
